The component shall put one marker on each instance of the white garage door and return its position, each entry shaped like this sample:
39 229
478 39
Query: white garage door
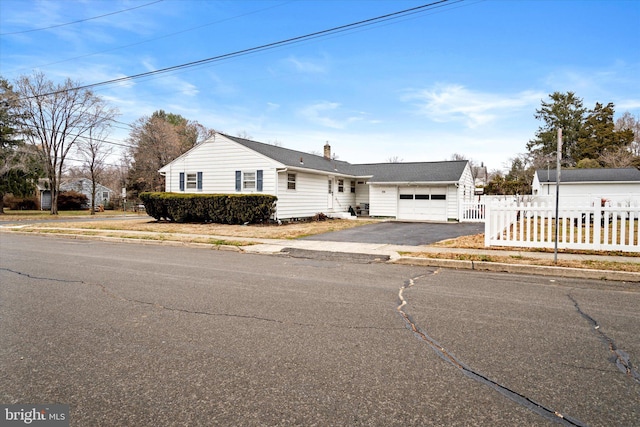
422 203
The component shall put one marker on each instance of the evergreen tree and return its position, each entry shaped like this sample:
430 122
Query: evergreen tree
564 111
19 166
598 135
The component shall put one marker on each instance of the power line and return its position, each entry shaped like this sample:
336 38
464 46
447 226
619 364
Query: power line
83 161
163 36
268 46
80 20
119 144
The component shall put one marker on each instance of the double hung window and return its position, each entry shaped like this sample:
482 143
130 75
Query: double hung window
190 181
249 181
291 181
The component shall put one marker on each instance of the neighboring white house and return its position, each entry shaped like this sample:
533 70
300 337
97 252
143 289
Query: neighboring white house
81 185
583 186
307 184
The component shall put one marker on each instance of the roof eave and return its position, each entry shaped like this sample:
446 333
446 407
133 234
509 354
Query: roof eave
414 182
590 182
317 171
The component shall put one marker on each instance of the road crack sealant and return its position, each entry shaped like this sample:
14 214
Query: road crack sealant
448 357
620 358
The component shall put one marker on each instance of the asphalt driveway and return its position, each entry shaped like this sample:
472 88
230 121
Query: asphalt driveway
402 233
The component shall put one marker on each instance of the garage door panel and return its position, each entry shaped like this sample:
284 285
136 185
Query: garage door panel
422 203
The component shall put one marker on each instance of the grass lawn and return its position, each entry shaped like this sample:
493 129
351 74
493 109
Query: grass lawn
10 215
291 230
531 260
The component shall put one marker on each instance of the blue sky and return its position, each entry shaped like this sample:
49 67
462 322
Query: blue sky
464 78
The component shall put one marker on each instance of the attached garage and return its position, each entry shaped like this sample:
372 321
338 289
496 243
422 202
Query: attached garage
419 191
422 203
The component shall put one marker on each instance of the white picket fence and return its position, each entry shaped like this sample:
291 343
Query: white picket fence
475 210
611 227
472 211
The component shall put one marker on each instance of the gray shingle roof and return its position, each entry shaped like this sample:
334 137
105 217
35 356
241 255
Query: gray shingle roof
292 157
449 171
590 175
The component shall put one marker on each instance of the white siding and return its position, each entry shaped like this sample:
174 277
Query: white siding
383 200
308 199
454 197
342 201
466 186
218 159
585 193
362 193
536 187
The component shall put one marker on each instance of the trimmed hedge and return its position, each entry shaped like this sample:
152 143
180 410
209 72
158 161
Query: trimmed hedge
218 208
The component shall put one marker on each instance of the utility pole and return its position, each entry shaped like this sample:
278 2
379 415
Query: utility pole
558 158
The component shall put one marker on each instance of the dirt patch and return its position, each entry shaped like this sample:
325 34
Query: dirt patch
475 241
524 260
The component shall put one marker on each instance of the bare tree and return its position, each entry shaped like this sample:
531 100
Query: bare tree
628 121
244 135
622 157
156 141
197 132
95 151
55 118
394 159
476 171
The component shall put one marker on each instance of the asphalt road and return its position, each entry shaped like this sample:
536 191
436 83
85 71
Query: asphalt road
131 335
402 233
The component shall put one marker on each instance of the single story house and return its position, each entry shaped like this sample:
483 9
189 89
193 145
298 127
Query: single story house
81 185
307 184
583 186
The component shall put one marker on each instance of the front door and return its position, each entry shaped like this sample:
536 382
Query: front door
330 195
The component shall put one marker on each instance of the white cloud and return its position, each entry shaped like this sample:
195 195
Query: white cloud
329 114
627 104
615 82
306 65
455 103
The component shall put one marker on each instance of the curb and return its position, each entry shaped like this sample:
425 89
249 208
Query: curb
335 256
230 248
576 273
568 272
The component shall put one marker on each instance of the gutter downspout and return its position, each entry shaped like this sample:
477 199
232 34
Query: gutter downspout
278 171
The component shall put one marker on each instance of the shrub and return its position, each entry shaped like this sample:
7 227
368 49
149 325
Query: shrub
21 204
72 201
218 208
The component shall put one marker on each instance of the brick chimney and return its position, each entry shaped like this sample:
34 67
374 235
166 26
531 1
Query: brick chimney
327 151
